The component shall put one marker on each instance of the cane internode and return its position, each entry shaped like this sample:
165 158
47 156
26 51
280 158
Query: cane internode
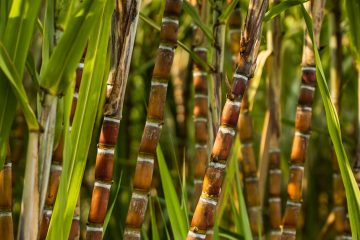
155 118
6 219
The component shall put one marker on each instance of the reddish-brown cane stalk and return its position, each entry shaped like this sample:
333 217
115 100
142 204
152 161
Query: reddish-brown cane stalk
6 220
274 174
124 24
302 126
200 83
154 121
204 215
342 225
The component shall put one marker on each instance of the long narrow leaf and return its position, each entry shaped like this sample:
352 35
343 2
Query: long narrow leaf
89 97
177 218
281 7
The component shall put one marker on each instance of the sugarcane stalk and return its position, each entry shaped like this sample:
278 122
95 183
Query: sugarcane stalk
29 215
341 225
124 24
200 111
249 169
302 125
274 153
204 215
154 121
219 28
6 219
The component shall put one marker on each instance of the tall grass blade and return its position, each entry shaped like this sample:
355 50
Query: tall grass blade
177 217
281 7
351 188
94 75
189 9
353 9
68 51
154 229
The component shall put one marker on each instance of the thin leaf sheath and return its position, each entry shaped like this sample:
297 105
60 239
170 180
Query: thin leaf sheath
6 220
341 225
204 215
274 153
249 168
56 170
302 127
200 111
155 118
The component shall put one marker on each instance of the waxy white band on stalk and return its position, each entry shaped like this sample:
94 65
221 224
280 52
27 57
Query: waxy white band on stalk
275 233
103 185
274 200
240 76
159 84
163 47
210 232
309 69
200 119
47 212
251 179
274 150
169 20
345 237
217 165
200 49
8 165
289 231
55 167
208 201
297 167
76 218
110 119
310 88
234 103
234 30
145 159
198 181
81 65
338 208
226 130
201 145
275 171
94 229
295 204
5 214
303 135
106 151
247 145
305 109
200 74
153 124
76 95
198 95
139 196
133 233
196 235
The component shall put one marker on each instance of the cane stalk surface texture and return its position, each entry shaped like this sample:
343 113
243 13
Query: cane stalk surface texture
274 153
302 125
154 121
204 215
6 219
341 224
200 112
124 24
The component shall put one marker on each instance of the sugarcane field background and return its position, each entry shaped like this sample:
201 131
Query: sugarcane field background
179 119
